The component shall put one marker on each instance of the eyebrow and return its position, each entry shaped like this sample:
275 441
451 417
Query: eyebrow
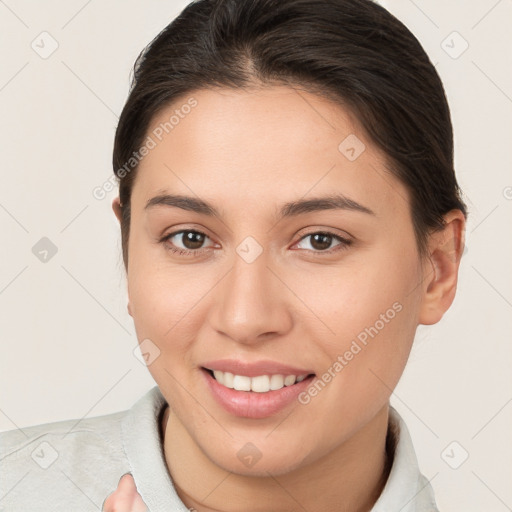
290 209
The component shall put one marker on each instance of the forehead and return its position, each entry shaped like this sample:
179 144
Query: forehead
266 144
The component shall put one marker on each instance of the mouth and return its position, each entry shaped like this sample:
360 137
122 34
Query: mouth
256 384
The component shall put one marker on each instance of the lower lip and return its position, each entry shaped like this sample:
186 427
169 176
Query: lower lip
250 404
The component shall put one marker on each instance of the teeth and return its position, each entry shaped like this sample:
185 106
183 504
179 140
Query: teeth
259 384
276 382
241 383
228 379
289 380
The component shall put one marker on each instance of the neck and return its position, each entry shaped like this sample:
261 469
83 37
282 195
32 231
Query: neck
349 478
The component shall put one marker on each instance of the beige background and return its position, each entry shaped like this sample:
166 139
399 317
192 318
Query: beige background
67 340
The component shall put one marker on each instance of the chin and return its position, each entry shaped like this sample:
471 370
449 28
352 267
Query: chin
250 461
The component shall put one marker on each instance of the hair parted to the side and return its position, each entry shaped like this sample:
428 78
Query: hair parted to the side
353 52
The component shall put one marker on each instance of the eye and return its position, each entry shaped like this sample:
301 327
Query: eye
322 240
190 240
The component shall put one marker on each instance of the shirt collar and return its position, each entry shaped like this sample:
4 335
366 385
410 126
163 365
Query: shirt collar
406 489
144 450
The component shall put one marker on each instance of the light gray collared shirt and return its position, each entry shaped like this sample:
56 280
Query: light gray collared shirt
75 464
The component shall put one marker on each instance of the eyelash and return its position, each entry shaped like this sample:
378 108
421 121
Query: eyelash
344 243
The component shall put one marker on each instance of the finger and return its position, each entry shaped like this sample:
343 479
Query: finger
123 499
138 504
129 487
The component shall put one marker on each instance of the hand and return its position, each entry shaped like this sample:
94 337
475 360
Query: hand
125 498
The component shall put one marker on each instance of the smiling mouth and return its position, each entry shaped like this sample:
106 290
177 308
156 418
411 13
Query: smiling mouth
258 384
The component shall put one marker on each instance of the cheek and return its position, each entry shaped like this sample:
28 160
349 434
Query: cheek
351 296
169 305
162 299
370 300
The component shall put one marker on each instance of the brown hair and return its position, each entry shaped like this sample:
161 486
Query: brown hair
353 52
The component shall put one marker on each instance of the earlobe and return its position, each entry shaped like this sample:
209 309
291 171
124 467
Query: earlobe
440 282
116 206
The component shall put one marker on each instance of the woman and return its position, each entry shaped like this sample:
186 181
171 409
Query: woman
289 215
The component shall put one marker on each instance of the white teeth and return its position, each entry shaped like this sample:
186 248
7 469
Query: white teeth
276 382
259 384
289 380
241 383
228 379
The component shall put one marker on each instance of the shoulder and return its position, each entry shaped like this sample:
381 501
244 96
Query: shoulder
98 430
66 465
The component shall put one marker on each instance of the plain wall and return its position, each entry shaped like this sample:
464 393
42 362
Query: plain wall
67 339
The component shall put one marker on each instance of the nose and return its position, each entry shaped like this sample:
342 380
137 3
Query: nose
251 303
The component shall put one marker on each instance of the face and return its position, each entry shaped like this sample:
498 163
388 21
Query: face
255 275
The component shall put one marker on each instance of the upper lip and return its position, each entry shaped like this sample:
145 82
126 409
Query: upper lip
254 368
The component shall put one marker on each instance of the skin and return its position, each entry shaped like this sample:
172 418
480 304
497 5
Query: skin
248 152
125 498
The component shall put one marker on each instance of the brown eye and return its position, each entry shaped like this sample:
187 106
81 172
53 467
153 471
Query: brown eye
186 241
321 242
192 239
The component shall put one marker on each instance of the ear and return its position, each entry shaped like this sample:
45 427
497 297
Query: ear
442 268
116 206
